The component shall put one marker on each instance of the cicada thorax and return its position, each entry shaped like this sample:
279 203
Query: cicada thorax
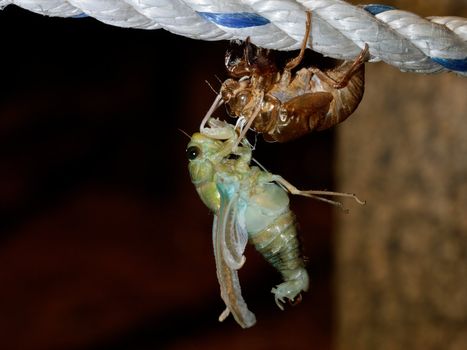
252 60
252 74
246 98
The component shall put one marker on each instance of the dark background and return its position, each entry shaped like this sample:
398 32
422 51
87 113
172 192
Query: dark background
104 243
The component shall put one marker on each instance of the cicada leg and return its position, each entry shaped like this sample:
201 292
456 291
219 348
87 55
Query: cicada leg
250 121
247 53
216 104
349 72
316 194
296 61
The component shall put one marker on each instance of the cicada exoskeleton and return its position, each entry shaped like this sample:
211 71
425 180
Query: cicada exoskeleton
286 104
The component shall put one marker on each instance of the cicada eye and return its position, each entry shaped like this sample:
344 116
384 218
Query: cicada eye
243 98
193 152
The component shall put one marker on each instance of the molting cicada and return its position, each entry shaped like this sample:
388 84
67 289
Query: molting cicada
249 204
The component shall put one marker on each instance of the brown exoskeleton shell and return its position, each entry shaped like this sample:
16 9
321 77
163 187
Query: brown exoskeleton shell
284 105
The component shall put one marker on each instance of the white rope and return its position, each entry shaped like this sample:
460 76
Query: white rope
339 30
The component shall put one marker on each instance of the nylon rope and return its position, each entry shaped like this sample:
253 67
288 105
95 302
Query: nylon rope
340 30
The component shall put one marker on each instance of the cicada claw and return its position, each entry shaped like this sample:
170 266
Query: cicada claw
296 301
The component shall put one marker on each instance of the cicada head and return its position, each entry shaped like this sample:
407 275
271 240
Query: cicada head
229 89
203 153
209 156
237 95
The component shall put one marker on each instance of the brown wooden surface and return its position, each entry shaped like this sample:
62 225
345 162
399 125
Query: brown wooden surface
402 258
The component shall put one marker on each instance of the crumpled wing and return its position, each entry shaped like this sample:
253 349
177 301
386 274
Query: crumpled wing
229 241
232 236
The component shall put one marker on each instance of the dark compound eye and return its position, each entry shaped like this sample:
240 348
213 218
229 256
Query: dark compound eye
192 152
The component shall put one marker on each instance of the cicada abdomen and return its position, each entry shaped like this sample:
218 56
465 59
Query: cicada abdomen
272 230
327 98
346 83
279 245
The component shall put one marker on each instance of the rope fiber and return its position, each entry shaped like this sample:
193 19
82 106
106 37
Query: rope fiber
339 29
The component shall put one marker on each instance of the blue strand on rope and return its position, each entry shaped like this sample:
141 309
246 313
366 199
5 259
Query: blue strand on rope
459 65
235 20
80 15
374 9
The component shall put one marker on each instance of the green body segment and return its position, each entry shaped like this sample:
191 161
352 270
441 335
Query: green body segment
279 245
272 230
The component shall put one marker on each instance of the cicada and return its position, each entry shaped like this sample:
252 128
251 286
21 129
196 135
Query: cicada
283 105
249 204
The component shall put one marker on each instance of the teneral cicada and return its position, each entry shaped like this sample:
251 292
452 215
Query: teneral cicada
285 105
249 204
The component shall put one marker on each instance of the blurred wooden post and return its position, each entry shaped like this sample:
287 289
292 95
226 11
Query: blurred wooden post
402 258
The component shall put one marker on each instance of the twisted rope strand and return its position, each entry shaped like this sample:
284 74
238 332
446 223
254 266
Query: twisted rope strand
339 29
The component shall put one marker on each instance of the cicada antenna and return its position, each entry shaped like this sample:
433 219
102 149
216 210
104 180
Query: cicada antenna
218 79
184 133
209 84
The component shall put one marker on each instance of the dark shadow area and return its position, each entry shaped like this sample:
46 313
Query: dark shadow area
104 243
